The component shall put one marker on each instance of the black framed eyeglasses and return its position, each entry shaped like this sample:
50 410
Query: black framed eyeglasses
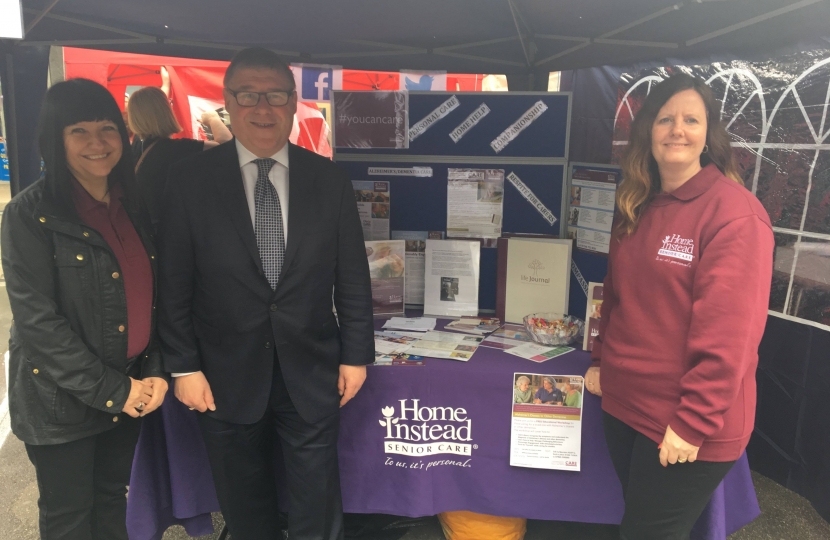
277 98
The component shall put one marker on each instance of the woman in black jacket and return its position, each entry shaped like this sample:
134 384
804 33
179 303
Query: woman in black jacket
80 273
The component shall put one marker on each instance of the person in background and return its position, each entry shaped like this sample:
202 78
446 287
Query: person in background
522 393
548 394
153 122
84 365
690 243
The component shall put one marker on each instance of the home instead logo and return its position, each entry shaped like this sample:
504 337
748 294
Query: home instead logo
678 248
535 265
426 431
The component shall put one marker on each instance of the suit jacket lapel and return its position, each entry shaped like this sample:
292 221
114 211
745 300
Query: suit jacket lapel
300 204
232 191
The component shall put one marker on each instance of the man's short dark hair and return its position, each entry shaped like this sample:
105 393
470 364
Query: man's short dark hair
258 58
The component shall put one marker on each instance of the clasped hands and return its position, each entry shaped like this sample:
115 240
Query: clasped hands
194 390
146 395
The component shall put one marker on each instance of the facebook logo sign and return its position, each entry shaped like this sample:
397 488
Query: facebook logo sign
316 84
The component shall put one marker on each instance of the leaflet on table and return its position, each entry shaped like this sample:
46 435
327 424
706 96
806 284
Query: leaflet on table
507 337
387 271
544 436
446 345
373 204
415 261
591 209
474 203
416 324
392 349
474 326
537 352
451 278
592 315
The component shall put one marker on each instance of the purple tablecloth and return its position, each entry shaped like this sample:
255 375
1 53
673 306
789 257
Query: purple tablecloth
171 482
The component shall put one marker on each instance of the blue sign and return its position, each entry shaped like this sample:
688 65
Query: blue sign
4 163
316 84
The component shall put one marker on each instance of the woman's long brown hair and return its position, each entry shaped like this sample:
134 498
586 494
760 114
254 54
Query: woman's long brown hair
641 178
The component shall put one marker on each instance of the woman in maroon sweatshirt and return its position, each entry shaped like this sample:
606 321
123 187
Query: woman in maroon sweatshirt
685 305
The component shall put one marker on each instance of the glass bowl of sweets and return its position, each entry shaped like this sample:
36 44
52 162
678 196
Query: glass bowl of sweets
553 328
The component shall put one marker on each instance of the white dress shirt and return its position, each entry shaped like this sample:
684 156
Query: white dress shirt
278 177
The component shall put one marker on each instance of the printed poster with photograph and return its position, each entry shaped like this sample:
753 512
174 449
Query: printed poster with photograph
373 205
591 207
451 278
475 203
546 425
387 269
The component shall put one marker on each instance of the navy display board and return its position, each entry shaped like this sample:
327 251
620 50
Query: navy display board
545 137
420 204
586 266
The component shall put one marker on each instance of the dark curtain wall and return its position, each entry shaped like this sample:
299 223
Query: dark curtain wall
23 71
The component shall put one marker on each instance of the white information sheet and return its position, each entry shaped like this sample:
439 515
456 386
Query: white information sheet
475 200
451 277
373 204
546 427
591 207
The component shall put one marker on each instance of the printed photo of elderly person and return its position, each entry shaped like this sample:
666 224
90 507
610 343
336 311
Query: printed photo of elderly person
522 392
573 394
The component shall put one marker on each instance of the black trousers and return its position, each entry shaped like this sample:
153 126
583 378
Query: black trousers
83 484
661 503
242 458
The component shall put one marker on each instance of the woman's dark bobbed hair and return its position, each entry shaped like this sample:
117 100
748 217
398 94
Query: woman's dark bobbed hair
67 103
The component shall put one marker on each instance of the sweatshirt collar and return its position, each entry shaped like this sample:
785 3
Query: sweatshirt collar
694 187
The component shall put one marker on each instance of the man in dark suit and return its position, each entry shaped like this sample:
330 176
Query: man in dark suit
258 237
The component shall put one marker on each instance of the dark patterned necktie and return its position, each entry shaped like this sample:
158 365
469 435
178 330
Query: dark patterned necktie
270 238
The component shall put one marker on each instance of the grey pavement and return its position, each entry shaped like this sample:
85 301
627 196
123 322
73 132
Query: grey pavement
785 515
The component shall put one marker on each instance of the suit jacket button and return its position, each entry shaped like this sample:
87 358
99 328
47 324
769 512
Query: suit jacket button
273 307
115 419
267 344
36 371
115 275
79 256
86 234
121 328
109 403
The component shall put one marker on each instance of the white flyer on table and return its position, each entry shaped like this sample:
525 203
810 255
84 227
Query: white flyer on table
451 278
546 436
475 203
446 345
373 205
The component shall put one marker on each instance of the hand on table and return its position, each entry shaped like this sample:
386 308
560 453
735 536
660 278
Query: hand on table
592 381
194 391
350 381
140 395
159 386
673 449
